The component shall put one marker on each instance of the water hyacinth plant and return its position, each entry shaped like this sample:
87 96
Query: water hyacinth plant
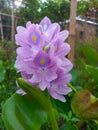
41 60
41 57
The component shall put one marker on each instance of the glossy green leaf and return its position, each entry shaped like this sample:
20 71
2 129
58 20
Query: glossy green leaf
23 113
85 105
28 112
2 72
93 71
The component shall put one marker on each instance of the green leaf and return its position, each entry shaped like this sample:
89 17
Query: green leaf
63 107
23 113
93 71
35 92
90 54
70 115
2 72
85 105
74 74
68 126
28 112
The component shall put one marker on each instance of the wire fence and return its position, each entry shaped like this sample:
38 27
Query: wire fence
13 18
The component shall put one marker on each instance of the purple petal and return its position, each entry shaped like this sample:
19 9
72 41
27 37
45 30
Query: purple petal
28 24
20 91
42 59
43 84
45 23
56 95
36 78
64 64
25 75
21 39
21 29
51 75
65 49
52 31
68 65
25 52
66 78
21 65
35 37
58 48
63 90
63 35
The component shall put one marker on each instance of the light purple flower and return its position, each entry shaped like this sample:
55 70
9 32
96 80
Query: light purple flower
29 37
20 91
58 87
41 57
34 36
49 30
45 23
44 70
28 24
58 48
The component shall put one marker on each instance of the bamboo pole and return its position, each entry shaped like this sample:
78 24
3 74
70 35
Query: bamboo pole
72 24
13 32
1 27
8 15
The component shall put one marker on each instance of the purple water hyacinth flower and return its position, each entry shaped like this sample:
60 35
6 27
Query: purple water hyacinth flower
41 57
58 48
64 64
21 36
45 23
26 53
26 76
28 24
20 91
63 35
58 86
34 36
44 70
30 36
22 65
49 30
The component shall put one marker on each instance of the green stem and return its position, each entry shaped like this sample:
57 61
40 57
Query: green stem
51 115
69 85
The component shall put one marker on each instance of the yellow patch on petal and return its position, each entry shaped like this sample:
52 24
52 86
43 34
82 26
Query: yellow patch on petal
55 48
42 61
34 39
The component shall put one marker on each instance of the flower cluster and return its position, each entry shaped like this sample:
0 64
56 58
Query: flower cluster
41 57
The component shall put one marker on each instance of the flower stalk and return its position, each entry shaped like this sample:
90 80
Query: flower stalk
69 85
51 115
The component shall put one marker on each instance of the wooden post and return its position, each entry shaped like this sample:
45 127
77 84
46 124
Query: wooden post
72 24
12 35
1 27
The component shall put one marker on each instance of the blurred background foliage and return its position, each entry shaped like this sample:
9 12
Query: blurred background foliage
85 71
